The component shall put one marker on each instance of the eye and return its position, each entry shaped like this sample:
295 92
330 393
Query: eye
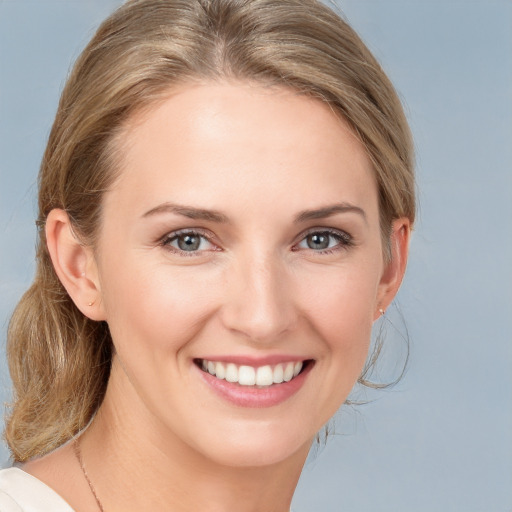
188 242
325 240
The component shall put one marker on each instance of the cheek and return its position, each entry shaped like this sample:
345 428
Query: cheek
341 305
340 311
151 306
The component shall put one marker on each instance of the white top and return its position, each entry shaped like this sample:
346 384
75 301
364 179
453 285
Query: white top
21 492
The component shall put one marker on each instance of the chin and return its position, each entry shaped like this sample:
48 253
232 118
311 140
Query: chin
255 444
267 452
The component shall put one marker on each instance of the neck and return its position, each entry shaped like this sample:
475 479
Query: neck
124 453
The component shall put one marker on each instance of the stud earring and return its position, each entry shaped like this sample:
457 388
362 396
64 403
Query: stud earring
91 303
381 311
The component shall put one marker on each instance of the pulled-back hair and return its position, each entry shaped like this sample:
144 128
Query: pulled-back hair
59 359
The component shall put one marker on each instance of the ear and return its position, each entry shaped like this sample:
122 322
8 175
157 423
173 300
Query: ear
394 269
74 264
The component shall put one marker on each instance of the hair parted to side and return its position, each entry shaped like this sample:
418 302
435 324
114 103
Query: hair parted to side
59 360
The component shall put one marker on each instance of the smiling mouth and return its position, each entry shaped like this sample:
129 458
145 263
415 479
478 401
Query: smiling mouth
261 376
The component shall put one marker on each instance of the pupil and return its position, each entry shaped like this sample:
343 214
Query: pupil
318 241
188 242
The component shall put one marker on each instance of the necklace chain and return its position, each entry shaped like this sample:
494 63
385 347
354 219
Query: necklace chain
78 453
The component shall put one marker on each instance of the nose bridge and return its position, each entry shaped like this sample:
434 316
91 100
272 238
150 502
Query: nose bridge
259 302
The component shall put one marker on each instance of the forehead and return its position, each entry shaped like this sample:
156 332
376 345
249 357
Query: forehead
221 141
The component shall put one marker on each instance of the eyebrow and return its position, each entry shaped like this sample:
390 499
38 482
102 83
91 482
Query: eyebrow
216 216
329 211
188 211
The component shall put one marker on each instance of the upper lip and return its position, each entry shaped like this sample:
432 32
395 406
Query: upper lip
255 361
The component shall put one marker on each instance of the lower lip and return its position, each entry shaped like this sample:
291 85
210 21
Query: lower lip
249 396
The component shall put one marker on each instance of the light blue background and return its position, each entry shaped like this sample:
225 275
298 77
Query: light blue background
441 441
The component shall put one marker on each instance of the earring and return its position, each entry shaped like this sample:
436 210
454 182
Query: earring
382 312
91 303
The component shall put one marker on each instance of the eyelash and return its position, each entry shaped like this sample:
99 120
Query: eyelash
344 241
166 241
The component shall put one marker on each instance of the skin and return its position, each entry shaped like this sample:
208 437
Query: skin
254 288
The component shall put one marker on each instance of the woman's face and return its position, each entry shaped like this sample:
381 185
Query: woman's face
242 237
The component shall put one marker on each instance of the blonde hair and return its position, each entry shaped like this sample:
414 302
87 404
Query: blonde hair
59 360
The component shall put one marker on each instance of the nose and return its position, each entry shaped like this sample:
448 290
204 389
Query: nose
259 299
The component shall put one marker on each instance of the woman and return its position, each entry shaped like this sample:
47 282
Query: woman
225 207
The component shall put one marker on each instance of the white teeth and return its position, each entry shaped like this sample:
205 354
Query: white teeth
220 370
278 374
250 376
288 372
231 373
264 376
246 376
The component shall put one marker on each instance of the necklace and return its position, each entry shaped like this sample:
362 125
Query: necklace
78 453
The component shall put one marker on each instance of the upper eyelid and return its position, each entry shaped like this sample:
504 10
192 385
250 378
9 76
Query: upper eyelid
165 240
325 230
186 231
331 231
345 240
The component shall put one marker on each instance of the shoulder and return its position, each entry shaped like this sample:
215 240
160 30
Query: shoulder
14 496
